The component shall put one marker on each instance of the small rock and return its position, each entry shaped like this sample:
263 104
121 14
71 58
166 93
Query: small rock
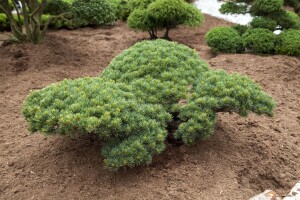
294 194
266 195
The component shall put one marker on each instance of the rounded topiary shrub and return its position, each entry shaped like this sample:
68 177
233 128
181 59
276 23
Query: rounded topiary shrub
259 40
129 106
93 12
224 39
265 7
263 22
288 43
163 14
56 7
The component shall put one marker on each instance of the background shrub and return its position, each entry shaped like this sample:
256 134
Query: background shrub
265 7
93 12
263 22
288 43
241 29
129 105
224 39
4 22
56 7
232 7
163 14
259 40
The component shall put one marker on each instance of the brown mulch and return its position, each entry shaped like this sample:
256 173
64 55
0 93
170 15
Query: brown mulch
244 157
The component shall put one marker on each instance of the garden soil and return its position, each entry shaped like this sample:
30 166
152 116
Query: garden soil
244 157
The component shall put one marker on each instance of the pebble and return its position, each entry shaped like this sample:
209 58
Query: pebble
271 195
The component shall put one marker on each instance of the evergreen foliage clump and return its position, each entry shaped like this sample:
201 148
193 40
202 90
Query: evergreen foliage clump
153 15
288 43
160 71
241 29
93 12
130 104
224 39
217 91
56 7
259 40
263 22
265 7
232 7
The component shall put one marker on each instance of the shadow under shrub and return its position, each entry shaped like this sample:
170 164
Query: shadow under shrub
130 104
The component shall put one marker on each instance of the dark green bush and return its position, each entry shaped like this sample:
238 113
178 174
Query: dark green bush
122 8
292 3
263 22
265 7
241 29
288 43
224 39
93 12
129 105
56 7
259 40
286 19
164 14
232 7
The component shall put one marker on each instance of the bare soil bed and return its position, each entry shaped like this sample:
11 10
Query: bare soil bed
243 158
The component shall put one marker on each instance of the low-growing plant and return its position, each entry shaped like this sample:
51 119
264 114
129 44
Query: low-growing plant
163 14
224 39
263 22
92 13
130 104
288 43
217 91
259 40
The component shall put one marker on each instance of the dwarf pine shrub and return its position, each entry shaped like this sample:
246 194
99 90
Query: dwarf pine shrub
217 91
265 7
153 15
288 43
129 105
259 40
263 22
224 39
